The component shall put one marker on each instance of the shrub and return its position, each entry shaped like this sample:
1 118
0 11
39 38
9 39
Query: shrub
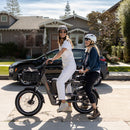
124 19
113 51
10 49
119 50
112 59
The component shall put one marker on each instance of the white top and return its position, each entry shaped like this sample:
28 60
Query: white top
67 56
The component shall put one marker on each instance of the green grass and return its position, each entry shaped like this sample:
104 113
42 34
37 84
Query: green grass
119 69
6 63
4 70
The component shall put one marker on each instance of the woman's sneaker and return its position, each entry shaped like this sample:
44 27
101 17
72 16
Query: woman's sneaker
95 114
64 108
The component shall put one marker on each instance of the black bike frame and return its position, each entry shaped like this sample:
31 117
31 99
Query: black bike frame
44 81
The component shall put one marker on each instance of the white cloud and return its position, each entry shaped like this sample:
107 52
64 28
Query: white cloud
55 9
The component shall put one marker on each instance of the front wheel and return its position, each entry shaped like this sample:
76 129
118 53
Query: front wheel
82 103
28 102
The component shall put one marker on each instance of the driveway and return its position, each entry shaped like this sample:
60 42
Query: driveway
114 105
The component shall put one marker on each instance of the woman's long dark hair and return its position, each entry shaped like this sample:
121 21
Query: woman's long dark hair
61 40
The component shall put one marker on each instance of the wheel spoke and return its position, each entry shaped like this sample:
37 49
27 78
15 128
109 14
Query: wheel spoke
24 102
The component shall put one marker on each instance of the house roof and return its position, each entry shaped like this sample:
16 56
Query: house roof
4 12
54 22
78 30
28 22
74 16
34 22
114 6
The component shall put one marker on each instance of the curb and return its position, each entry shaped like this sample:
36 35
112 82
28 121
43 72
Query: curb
4 77
118 78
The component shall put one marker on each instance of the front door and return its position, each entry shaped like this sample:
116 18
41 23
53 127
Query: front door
54 44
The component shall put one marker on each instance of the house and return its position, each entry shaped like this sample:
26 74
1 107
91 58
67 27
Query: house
33 32
114 8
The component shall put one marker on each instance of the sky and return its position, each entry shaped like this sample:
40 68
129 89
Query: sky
56 8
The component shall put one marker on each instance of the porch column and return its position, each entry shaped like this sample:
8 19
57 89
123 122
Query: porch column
44 36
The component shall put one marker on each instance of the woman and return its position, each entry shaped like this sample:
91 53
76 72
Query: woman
91 68
69 67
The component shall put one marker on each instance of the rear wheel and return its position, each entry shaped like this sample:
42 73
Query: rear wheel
98 81
28 102
82 103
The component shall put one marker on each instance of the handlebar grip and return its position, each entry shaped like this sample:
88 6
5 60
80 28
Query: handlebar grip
50 61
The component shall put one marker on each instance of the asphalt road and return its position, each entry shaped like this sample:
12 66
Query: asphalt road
114 105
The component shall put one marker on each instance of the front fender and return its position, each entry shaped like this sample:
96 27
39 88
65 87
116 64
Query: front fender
38 92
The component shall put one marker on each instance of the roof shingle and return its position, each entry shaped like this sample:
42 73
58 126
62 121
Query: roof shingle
28 22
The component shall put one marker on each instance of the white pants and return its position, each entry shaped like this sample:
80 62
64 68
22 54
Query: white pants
65 75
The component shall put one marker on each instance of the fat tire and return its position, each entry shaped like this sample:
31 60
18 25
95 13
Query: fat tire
17 103
80 110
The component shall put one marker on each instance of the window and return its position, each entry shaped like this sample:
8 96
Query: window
80 39
39 40
29 41
3 18
73 40
0 38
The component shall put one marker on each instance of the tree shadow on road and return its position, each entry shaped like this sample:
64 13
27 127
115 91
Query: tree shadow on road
78 121
70 122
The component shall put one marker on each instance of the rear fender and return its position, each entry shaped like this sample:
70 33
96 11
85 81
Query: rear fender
36 91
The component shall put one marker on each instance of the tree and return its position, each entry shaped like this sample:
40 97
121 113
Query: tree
124 18
106 28
12 7
67 9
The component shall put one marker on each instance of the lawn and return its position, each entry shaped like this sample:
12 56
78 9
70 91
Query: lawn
6 63
4 70
119 69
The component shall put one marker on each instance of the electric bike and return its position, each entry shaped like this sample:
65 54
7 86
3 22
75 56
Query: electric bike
30 100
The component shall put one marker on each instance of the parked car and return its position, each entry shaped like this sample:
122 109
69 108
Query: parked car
53 70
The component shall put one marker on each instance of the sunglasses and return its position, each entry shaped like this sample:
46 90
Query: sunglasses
87 39
62 32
